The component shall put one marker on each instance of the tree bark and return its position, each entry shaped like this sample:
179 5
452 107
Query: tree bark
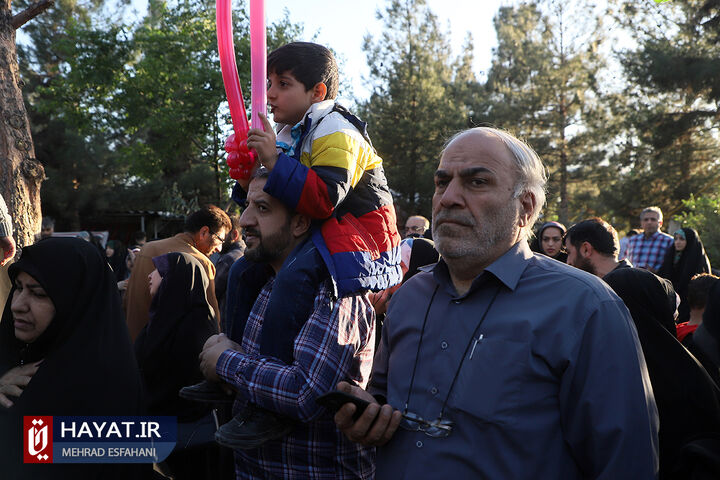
20 173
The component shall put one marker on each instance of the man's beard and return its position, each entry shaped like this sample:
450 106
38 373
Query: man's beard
585 264
495 229
269 247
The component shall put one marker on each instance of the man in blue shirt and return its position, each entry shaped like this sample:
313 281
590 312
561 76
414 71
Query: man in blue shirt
648 250
497 362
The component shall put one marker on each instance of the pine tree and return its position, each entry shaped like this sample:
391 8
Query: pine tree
543 86
416 99
671 131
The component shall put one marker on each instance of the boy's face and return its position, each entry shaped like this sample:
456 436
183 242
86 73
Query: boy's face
288 99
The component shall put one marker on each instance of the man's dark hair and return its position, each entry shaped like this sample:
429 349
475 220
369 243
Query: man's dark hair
699 289
309 63
139 236
210 216
261 173
598 233
235 221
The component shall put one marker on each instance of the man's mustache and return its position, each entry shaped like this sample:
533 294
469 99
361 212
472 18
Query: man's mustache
250 231
454 217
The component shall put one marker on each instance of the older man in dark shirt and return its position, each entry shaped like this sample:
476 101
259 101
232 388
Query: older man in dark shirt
497 362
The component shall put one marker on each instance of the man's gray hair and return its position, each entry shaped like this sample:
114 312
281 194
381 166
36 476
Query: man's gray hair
653 210
531 171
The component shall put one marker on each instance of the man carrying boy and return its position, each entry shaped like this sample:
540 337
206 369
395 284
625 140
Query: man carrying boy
334 343
322 165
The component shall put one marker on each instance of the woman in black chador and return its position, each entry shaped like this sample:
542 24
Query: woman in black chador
687 399
64 328
167 349
684 259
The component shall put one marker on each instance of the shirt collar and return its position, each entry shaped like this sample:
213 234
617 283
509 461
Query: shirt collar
507 269
288 136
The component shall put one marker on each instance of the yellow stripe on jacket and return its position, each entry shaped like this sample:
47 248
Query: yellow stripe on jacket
342 150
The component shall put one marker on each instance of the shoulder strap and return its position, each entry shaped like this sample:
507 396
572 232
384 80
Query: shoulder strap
355 121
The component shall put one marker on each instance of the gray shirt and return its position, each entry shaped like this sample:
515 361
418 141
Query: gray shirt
553 382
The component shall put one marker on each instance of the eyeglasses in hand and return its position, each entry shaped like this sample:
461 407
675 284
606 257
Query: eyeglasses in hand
438 429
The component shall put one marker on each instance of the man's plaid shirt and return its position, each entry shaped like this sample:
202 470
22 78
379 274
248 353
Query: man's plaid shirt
648 252
336 343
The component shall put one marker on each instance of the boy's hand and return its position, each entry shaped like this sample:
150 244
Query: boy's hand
263 142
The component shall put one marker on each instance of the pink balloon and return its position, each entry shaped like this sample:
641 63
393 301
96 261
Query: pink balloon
240 160
258 62
226 49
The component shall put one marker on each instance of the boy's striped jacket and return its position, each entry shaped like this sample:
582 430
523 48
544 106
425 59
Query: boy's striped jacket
327 169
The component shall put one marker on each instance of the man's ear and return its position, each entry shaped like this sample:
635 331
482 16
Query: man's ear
586 250
299 225
234 235
203 232
319 92
527 207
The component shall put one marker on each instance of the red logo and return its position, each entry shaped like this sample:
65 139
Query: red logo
37 439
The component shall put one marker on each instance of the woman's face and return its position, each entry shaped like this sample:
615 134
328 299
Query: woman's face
551 241
109 251
32 309
154 278
680 243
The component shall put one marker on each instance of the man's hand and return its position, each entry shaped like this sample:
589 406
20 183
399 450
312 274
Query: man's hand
213 348
14 381
376 425
263 142
8 247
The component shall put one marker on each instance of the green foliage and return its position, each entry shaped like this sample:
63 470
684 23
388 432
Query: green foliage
701 213
132 117
69 68
416 99
169 96
670 132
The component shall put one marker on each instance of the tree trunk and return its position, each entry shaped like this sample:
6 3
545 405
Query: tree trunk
20 173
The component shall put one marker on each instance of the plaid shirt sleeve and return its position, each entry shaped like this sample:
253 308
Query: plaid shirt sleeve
333 345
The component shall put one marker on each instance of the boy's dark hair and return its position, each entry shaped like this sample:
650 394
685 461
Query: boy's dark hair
139 236
598 233
210 216
699 289
309 63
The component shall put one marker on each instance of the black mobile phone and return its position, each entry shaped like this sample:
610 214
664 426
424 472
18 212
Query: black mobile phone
335 399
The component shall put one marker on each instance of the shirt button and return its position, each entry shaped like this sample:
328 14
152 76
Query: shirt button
457 302
418 444
434 390
443 345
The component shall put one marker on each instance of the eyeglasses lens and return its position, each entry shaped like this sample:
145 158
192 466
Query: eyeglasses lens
438 429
